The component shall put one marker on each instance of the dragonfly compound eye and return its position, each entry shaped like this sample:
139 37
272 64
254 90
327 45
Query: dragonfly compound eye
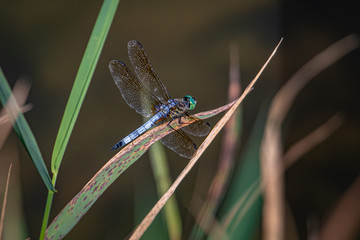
191 100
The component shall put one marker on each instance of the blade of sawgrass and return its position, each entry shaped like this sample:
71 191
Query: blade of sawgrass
78 92
163 181
232 132
139 231
24 132
81 203
3 209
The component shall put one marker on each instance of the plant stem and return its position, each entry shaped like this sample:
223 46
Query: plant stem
47 209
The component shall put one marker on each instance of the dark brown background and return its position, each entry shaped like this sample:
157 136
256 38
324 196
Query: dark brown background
187 42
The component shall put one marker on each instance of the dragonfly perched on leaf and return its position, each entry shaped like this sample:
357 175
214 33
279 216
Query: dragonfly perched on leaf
146 93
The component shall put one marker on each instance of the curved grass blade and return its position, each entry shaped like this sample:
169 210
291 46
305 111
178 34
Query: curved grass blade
24 132
82 202
139 231
82 80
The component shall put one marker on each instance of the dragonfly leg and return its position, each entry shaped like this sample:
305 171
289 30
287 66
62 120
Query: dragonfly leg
179 120
169 124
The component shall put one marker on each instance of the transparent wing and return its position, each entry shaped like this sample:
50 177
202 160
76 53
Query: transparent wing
199 128
180 143
145 72
134 94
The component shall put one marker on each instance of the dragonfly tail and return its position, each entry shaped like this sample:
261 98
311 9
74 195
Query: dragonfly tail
116 146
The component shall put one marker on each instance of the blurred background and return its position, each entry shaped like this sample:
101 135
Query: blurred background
188 45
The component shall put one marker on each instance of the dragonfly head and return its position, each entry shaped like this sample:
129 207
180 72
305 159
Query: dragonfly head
191 101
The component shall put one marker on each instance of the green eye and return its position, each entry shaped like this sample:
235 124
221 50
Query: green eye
191 100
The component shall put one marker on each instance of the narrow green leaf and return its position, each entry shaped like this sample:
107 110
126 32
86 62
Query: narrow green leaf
82 80
24 132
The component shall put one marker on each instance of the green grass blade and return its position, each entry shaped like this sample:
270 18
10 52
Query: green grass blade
82 80
25 134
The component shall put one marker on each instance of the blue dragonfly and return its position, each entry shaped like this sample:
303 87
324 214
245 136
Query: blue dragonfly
146 93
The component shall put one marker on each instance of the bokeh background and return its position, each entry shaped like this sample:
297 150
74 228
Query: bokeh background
188 44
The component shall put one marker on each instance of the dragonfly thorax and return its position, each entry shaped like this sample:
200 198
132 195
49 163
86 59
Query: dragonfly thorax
175 108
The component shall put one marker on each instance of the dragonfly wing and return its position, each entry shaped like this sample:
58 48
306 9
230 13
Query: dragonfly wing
199 128
180 143
134 94
145 71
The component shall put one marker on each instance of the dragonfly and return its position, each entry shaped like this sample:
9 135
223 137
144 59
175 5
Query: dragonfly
146 93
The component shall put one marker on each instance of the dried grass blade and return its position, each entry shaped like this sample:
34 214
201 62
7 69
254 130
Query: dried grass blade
159 205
